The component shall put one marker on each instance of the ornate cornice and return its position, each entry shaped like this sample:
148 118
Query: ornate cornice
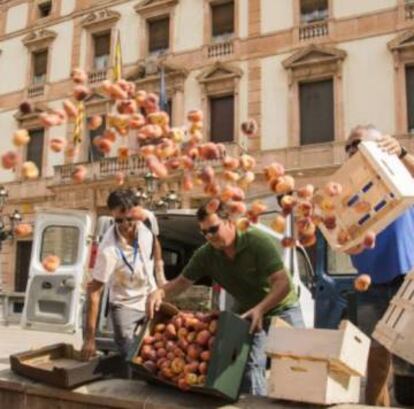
218 72
39 39
153 6
101 17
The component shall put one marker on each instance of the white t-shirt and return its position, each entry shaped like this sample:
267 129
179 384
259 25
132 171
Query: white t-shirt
126 288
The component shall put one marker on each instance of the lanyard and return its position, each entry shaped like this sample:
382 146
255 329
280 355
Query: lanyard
125 260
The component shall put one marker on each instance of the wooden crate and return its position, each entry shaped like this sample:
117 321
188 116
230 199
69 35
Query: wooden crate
396 328
312 382
346 349
372 176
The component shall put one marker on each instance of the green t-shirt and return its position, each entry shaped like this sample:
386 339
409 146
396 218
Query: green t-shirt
246 277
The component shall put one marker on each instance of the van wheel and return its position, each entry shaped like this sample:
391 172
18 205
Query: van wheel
404 389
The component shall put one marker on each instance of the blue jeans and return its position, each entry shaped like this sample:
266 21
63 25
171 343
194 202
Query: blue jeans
254 381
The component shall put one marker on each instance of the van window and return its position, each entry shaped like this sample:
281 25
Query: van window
305 268
339 263
61 241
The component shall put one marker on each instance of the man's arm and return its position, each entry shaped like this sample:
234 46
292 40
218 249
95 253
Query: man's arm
168 290
280 288
94 292
158 264
391 145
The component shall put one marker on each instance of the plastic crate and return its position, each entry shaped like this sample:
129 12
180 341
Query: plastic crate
346 349
372 176
396 328
228 360
316 382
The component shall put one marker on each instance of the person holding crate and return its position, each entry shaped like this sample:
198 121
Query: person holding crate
125 262
247 265
386 265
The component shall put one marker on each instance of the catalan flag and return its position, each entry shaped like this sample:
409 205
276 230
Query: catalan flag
117 68
78 131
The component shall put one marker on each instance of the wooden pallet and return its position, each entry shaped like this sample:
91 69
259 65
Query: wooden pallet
396 328
372 176
345 349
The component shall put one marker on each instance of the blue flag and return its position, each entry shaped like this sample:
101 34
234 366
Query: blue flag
163 91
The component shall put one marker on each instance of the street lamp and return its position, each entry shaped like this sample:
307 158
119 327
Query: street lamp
3 197
7 232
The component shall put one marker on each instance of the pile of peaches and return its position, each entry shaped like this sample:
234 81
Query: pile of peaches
179 350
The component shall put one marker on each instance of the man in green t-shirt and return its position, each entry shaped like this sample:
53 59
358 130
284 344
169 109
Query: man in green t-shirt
248 266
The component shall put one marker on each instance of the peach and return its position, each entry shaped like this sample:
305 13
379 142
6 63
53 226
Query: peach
137 121
194 351
209 151
246 180
26 107
72 151
116 92
79 174
137 360
203 337
61 113
70 108
176 135
258 207
201 379
285 184
369 240
232 193
304 208
306 192
110 135
150 366
127 107
306 227
94 122
177 365
333 189
140 97
288 242
183 384
247 162
30 170
123 153
230 163
307 241
273 171
51 263
195 127
362 206
207 174
158 118
167 373
48 120
156 167
147 340
288 202
182 332
253 218
103 144
21 137
170 331
212 206
236 208
243 224
327 205
205 356
23 230
195 115
57 144
362 282
79 76
80 92
187 183
249 128
212 189
279 224
191 378
10 159
343 237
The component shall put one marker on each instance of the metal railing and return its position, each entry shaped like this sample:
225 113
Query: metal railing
313 30
220 49
36 90
95 77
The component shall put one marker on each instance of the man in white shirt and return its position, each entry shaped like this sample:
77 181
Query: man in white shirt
125 263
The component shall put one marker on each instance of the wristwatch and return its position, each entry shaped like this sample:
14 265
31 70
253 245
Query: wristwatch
403 153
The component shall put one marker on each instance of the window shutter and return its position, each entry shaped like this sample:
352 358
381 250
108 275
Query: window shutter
316 112
94 154
222 119
40 63
102 44
23 254
409 84
159 34
222 18
35 148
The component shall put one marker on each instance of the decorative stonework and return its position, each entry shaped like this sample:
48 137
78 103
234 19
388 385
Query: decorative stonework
30 120
219 78
101 18
148 7
402 47
39 39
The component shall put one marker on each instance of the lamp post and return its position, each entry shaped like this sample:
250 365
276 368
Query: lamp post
7 229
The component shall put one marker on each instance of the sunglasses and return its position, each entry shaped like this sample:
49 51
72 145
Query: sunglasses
121 220
212 230
352 147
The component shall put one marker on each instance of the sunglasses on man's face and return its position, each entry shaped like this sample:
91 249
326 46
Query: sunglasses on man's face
211 231
121 220
352 147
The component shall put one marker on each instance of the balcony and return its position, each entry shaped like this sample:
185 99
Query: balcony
220 49
36 90
97 76
409 11
108 167
311 31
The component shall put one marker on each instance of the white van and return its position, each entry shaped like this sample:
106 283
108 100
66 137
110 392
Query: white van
54 301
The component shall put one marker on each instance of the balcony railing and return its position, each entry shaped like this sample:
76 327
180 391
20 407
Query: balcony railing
36 90
97 76
220 49
313 30
409 11
108 167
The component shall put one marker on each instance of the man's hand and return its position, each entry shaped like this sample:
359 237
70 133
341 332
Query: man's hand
389 144
154 301
255 315
88 349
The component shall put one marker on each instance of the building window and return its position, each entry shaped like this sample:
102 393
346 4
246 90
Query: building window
222 19
102 51
159 34
93 153
409 85
222 119
44 9
35 147
23 254
313 10
316 112
39 67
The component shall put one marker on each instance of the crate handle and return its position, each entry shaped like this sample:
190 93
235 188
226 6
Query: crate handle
388 167
298 369
357 339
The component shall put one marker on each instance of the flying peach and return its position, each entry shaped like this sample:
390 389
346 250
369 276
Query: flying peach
21 137
10 159
51 263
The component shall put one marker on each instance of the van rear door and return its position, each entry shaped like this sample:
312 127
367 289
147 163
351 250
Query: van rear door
53 300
